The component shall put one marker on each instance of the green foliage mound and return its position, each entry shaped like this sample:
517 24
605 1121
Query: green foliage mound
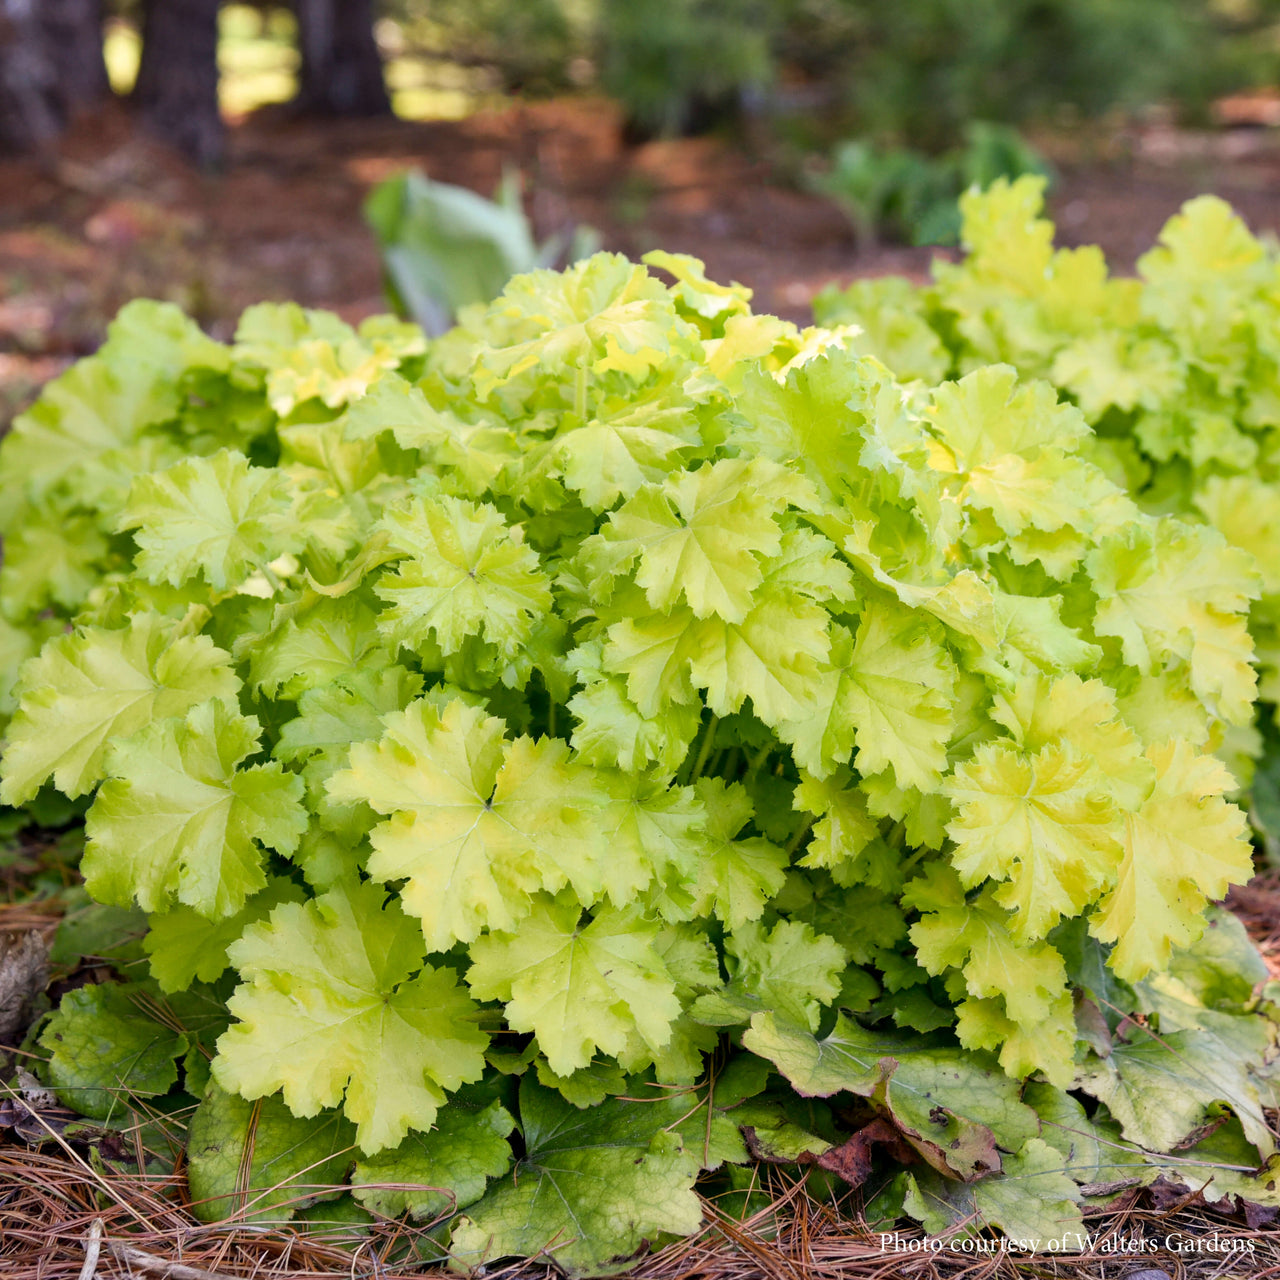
623 717
1177 371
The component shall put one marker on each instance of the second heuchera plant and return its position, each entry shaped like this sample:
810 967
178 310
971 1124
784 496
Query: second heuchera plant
621 671
1176 369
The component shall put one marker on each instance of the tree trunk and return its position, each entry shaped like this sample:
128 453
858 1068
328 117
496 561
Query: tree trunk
177 89
341 66
50 62
73 30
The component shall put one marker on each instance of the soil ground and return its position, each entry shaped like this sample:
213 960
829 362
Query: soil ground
111 216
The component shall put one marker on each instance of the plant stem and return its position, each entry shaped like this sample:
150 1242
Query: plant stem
274 582
551 718
757 762
704 751
799 836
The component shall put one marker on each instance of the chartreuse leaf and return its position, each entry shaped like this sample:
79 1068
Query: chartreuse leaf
332 717
94 686
97 406
108 1043
316 641
1182 848
430 1175
218 516
844 828
1178 592
610 729
257 1161
1020 1000
337 1007
51 561
1041 822
1160 1086
177 822
1195 1049
774 656
478 822
182 945
954 1107
790 970
466 573
735 877
894 698
589 1086
578 987
591 1187
653 831
604 306
699 538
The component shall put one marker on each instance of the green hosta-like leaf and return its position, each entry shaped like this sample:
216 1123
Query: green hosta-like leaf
95 686
433 1174
337 1007
109 1043
591 1187
578 987
218 516
954 1107
177 822
256 1161
478 823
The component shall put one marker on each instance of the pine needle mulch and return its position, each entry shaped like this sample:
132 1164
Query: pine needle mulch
65 1214
60 1219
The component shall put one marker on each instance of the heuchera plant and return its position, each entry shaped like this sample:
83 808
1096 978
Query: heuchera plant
1178 371
606 709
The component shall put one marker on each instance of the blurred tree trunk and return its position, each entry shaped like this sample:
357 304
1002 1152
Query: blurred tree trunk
50 62
341 66
74 33
177 89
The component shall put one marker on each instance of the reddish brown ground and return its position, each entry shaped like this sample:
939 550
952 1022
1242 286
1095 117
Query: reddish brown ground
112 216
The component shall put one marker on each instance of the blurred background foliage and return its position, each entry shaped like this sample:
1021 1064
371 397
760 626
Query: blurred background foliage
911 74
